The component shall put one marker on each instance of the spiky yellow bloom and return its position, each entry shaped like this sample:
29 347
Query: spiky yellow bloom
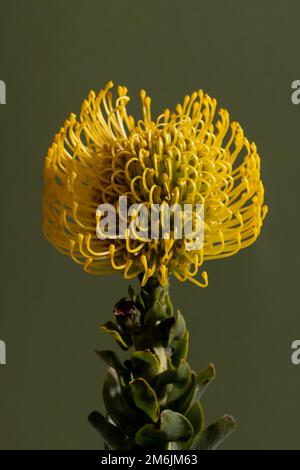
193 155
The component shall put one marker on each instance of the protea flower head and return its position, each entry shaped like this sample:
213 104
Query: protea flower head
193 155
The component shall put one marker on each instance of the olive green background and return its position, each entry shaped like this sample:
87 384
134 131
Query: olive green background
51 54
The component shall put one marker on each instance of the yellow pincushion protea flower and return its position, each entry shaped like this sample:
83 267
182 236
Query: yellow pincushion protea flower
191 156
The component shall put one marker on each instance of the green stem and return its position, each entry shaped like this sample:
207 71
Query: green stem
152 398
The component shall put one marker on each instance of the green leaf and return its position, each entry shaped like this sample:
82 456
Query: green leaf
215 434
180 385
195 416
179 377
186 399
150 436
112 329
113 361
145 358
140 302
170 328
207 374
181 349
204 379
145 398
113 437
179 327
169 306
163 380
162 331
156 313
173 427
131 293
119 405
